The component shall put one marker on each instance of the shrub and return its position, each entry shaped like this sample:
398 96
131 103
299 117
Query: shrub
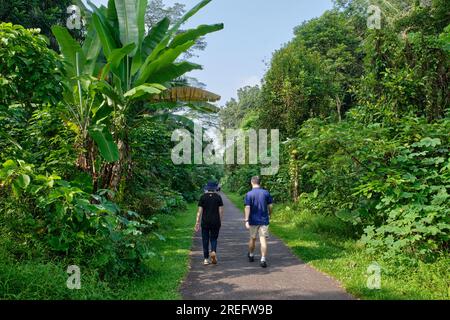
413 196
391 181
71 222
29 71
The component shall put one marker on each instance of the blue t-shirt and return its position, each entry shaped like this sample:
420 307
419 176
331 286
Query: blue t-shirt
258 199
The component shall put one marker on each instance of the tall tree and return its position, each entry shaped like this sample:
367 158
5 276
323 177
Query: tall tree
157 11
140 77
234 111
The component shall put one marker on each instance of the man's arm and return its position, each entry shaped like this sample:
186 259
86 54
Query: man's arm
199 217
221 212
270 204
247 216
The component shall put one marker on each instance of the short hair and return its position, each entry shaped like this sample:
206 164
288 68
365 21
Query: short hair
256 180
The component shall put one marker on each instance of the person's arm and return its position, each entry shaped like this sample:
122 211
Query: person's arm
221 213
221 207
270 204
247 211
199 217
247 216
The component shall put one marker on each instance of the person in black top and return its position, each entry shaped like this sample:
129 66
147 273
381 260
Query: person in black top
210 211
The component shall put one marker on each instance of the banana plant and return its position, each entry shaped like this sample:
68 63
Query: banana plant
120 71
80 63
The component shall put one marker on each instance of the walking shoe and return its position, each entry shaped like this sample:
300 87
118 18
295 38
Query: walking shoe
263 264
213 257
251 258
206 262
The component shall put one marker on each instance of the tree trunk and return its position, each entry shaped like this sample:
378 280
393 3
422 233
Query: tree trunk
112 173
86 160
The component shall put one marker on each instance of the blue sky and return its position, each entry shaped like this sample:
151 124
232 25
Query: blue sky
254 29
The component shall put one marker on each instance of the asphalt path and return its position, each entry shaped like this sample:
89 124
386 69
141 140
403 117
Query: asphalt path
235 278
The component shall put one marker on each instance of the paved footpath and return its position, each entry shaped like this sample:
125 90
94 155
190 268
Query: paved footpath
234 278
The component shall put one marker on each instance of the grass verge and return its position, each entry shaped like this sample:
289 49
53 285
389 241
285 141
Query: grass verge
169 269
37 280
327 244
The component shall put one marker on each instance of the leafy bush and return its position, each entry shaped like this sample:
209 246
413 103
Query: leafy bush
392 182
72 222
29 82
68 133
28 69
413 197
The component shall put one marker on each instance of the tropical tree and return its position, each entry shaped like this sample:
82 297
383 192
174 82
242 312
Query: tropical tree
158 10
234 111
121 74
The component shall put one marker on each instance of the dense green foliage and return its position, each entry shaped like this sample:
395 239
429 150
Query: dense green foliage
240 113
365 119
45 280
30 83
38 14
86 176
28 68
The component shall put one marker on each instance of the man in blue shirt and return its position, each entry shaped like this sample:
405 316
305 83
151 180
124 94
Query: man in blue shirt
258 209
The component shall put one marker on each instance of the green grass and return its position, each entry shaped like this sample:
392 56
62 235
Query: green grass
170 268
236 199
327 244
37 280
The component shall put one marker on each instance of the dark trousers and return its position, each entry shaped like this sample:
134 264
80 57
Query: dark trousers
209 235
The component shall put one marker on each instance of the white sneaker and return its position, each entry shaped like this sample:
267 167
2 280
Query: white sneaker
206 262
